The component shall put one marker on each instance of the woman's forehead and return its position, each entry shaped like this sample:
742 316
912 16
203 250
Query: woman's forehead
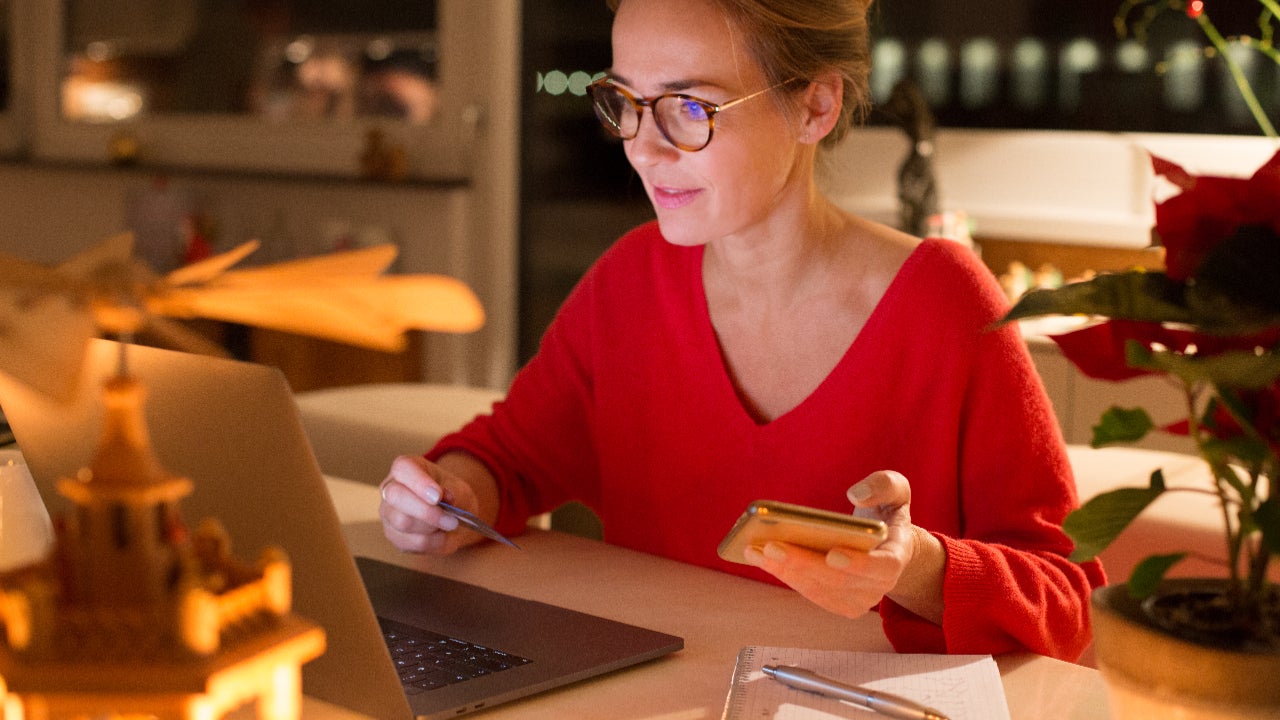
659 45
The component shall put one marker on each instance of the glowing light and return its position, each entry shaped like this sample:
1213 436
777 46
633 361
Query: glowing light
1077 58
888 66
1132 56
979 72
1184 69
934 64
555 82
558 82
1030 73
578 82
379 49
1233 103
101 101
299 50
1195 8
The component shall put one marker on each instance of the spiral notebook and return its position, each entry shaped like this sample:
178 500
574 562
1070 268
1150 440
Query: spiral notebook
964 687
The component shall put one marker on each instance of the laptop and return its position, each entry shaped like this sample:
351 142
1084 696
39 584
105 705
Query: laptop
233 428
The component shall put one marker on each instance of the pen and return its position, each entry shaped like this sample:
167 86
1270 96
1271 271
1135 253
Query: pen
467 519
883 703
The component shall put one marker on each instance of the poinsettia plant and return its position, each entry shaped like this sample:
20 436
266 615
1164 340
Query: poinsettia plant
1210 320
1134 16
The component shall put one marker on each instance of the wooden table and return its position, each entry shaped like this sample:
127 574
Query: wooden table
717 614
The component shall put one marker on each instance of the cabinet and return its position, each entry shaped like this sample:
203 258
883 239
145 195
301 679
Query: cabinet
455 213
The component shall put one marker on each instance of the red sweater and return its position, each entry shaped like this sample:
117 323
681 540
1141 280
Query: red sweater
627 407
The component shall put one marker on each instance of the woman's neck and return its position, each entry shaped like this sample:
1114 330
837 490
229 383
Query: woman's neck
781 260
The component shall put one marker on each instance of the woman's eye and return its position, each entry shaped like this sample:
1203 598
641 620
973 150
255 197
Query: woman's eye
693 110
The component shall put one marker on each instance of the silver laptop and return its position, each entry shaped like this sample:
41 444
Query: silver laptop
233 428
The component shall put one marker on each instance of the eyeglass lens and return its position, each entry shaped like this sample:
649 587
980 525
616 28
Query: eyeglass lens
685 122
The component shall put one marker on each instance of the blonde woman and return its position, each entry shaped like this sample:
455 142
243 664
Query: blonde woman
757 341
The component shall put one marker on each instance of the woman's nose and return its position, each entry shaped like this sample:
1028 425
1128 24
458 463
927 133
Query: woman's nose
649 146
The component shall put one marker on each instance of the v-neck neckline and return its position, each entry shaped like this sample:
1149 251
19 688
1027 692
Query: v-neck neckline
837 374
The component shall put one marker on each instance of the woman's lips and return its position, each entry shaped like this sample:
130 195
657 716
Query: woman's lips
670 198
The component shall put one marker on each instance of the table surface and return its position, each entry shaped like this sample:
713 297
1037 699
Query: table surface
717 614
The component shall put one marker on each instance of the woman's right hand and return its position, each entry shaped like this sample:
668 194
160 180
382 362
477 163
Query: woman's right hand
411 519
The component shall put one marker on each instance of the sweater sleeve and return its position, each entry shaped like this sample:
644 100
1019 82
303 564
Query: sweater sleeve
1008 583
539 442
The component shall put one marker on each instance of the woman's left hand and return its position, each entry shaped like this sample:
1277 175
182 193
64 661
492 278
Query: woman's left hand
907 566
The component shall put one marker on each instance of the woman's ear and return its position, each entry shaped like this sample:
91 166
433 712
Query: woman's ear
820 107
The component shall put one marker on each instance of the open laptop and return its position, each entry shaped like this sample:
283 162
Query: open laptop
233 428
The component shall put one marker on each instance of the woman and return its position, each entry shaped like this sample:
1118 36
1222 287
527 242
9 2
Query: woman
759 342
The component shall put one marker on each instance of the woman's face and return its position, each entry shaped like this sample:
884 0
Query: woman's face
732 185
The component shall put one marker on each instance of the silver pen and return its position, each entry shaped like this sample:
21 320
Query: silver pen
466 519
883 703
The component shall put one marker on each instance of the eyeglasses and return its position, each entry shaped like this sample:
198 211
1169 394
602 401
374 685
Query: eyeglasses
685 121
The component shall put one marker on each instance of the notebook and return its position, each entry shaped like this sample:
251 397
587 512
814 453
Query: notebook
234 429
963 687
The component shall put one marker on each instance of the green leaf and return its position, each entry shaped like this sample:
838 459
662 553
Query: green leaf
1229 369
1267 517
1240 449
1133 295
1149 573
1094 525
1121 425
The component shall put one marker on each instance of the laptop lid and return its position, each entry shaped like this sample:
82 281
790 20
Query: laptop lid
233 428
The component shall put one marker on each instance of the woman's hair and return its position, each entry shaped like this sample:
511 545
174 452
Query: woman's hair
804 38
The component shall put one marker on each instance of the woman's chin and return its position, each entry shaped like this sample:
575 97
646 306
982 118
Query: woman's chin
682 233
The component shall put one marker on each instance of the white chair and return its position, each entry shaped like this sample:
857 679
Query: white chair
356 431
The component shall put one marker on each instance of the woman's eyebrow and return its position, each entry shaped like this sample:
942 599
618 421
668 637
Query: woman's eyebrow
671 86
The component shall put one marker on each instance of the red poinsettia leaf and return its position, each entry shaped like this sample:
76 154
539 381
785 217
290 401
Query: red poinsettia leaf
1173 172
1190 225
1261 410
1209 210
1263 186
1098 350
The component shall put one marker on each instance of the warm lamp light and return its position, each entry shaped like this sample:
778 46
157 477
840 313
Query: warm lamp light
130 615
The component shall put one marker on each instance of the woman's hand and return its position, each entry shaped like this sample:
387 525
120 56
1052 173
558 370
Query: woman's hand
906 567
411 520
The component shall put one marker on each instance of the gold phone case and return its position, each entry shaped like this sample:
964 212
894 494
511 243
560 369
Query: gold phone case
821 530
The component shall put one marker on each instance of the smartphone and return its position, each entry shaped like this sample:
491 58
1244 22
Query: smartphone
821 530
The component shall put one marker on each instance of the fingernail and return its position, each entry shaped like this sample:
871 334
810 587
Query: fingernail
858 493
838 559
753 555
774 551
433 495
448 523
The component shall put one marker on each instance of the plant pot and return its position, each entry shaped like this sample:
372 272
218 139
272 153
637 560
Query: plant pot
1152 673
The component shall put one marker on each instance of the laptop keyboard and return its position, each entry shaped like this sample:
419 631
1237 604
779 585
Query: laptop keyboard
428 660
